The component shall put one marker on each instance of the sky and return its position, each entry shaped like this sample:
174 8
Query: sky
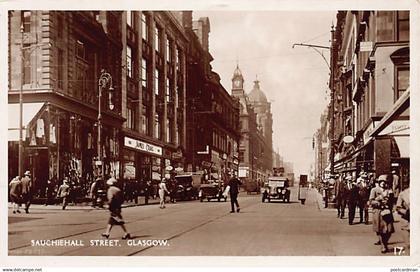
294 80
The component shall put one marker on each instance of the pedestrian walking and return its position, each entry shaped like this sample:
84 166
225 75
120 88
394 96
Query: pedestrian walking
162 191
234 184
26 183
64 193
382 214
340 196
395 186
353 196
147 191
115 200
15 192
49 191
403 209
363 199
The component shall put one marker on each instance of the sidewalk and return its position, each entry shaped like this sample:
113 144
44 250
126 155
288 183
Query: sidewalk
397 238
87 205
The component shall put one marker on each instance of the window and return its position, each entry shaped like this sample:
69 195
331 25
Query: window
168 50
130 116
60 72
130 18
26 21
80 49
144 32
403 21
26 65
129 62
168 91
157 126
156 81
144 124
168 131
144 73
157 39
403 80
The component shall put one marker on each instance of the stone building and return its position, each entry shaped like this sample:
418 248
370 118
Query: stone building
371 65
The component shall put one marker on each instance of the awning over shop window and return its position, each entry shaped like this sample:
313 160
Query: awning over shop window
403 144
29 112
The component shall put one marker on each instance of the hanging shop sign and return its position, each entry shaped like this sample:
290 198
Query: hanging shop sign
143 146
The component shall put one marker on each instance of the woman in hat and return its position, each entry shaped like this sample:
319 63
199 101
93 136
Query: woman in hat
382 214
162 191
115 200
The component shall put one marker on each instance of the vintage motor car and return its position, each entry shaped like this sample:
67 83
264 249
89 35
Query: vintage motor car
276 188
211 191
186 187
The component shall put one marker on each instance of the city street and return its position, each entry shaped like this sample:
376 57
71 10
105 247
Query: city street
194 228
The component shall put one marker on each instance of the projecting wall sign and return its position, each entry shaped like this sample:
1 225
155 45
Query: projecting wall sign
133 143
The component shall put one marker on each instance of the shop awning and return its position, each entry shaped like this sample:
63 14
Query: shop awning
403 143
399 106
29 112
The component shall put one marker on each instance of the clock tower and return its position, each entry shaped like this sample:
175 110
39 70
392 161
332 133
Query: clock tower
237 81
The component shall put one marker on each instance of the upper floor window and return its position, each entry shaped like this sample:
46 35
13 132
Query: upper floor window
403 81
403 25
168 50
168 91
129 62
144 72
156 81
157 39
144 33
26 21
130 18
80 49
27 66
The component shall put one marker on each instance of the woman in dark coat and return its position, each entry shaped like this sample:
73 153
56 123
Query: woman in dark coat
115 200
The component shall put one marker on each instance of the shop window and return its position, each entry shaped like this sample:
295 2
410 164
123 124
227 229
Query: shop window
403 81
403 25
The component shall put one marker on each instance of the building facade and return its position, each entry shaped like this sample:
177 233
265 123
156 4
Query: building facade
153 94
370 63
255 153
56 59
213 115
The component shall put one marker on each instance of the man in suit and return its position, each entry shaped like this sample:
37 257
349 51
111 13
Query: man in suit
362 202
340 197
234 184
353 196
26 183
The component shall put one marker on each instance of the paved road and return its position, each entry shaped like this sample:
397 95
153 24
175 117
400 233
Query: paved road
194 228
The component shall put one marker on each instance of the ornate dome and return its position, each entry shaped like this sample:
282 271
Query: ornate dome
256 95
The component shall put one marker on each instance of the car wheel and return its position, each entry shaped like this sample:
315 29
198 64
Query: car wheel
208 199
201 199
225 199
218 199
263 200
269 199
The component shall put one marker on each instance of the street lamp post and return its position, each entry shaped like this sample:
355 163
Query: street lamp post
22 76
105 79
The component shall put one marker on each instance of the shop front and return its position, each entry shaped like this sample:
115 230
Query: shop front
59 143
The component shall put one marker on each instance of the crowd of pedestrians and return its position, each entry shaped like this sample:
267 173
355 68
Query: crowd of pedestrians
383 195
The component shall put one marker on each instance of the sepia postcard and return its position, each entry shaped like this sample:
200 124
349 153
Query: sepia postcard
279 132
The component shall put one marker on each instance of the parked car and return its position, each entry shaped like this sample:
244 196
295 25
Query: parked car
186 187
276 188
211 191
